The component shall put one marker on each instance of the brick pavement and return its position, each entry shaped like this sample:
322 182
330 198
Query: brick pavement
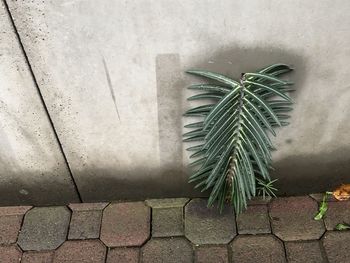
175 230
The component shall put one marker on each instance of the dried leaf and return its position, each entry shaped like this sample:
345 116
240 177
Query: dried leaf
342 193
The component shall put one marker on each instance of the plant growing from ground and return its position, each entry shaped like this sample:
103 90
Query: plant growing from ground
233 150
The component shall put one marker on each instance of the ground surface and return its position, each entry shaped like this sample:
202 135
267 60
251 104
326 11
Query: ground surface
175 230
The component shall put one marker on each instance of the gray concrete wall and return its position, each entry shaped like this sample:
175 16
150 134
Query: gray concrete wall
32 168
111 75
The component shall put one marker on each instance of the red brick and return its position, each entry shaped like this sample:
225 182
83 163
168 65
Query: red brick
10 254
260 248
169 250
298 252
10 223
123 255
210 254
292 218
14 210
85 224
92 251
338 212
125 224
37 257
337 246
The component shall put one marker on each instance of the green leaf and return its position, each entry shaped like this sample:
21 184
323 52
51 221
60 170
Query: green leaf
211 87
210 95
269 88
234 153
214 76
220 107
265 76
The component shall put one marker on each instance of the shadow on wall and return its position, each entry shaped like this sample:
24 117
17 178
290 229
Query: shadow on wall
296 174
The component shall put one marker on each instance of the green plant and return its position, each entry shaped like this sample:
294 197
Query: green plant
233 156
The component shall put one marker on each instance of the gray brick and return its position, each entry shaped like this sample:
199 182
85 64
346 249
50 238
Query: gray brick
254 220
205 225
167 222
167 202
44 228
169 250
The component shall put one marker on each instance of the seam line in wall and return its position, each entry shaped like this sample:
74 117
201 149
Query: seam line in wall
41 98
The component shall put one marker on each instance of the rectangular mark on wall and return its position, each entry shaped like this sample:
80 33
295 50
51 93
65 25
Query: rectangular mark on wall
169 99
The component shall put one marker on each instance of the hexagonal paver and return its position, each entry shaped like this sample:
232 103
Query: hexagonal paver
292 219
86 220
205 225
338 212
260 248
304 251
10 254
210 254
37 257
254 220
337 246
10 223
44 228
125 224
169 250
123 255
92 251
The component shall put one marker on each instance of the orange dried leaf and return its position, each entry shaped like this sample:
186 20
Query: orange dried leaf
342 193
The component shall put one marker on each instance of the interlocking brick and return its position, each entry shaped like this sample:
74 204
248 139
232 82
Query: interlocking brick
167 202
210 254
304 251
292 219
337 246
10 223
205 225
254 220
318 197
258 200
87 206
92 251
167 222
86 220
123 255
37 257
10 254
125 224
44 228
170 250
338 212
259 248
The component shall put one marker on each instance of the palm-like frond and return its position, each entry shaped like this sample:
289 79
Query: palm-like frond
233 155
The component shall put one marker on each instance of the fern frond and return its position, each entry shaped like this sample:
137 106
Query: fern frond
233 157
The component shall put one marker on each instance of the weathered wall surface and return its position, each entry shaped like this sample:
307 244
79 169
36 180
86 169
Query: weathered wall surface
32 168
111 75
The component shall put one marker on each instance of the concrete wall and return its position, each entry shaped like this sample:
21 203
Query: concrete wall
111 75
32 167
